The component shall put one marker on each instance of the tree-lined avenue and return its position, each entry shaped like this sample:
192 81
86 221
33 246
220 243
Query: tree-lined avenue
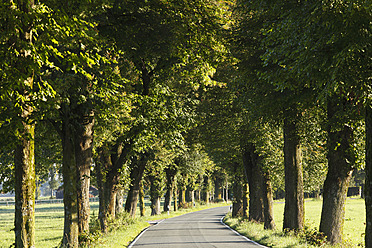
198 229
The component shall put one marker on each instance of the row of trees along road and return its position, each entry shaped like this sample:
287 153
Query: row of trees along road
127 70
179 96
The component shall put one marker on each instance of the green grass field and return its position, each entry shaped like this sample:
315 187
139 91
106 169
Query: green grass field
354 227
49 225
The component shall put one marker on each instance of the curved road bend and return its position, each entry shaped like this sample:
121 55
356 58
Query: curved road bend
197 229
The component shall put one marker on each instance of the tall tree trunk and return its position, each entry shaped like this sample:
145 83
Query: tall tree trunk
340 165
368 182
192 195
132 200
294 216
227 191
119 202
155 206
136 175
109 163
175 196
245 199
71 227
170 173
182 197
101 178
182 191
218 181
83 157
24 162
269 222
156 192
24 155
237 204
206 189
112 180
118 157
168 199
254 177
142 200
188 194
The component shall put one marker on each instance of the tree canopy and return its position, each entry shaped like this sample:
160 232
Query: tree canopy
175 97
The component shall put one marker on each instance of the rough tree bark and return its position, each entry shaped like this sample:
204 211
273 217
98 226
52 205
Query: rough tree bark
255 182
237 204
245 198
119 202
218 183
192 196
103 160
182 191
205 190
155 206
268 201
24 162
71 227
368 182
294 216
142 200
155 193
83 156
227 193
136 174
340 164
108 167
110 189
175 196
24 156
170 173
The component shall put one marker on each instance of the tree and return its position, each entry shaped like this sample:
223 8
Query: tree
23 53
254 177
237 187
294 217
138 165
171 173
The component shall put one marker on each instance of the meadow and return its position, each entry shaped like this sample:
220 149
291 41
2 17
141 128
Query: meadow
49 225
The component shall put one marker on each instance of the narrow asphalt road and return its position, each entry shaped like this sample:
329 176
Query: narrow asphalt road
197 229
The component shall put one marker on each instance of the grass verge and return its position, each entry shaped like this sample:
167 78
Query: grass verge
354 226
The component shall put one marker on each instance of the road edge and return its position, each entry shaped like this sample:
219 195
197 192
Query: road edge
237 233
221 221
141 233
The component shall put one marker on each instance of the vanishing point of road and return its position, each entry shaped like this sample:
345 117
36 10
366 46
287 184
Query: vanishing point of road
198 229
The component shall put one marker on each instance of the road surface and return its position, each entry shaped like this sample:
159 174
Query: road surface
197 229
